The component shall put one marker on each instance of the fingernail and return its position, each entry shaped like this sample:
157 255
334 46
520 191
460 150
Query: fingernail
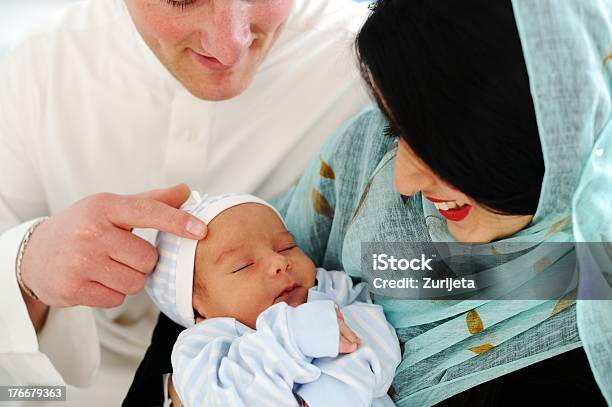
196 227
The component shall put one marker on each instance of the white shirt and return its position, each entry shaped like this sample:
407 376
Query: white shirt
86 107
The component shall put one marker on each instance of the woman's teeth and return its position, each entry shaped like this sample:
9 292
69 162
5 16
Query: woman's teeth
445 206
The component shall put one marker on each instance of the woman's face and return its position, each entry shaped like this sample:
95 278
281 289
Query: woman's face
213 47
467 221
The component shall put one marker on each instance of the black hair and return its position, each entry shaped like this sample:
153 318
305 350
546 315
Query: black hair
451 78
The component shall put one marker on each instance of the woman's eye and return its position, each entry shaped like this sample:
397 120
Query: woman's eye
390 131
288 248
180 4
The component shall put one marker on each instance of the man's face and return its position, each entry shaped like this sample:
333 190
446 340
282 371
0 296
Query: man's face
213 47
247 263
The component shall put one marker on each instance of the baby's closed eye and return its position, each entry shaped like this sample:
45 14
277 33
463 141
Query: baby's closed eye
243 267
287 248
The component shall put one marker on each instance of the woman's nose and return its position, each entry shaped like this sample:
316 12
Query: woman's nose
409 183
229 35
279 264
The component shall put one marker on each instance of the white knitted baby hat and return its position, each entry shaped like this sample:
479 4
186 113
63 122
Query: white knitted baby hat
170 285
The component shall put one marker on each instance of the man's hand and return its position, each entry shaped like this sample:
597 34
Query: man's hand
349 341
88 255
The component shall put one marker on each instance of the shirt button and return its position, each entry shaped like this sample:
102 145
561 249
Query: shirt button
190 136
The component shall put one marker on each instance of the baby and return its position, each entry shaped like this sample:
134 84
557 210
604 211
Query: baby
265 327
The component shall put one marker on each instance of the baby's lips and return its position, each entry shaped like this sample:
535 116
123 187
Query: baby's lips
285 294
287 289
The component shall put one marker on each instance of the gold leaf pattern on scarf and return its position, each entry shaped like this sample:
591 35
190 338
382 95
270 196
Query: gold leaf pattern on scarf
607 246
474 323
482 348
606 59
565 301
392 393
558 226
494 250
321 205
541 264
362 200
326 171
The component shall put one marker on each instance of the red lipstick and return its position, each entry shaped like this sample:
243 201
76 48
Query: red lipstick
454 215
435 199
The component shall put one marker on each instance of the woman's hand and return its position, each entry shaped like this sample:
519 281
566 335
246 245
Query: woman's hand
349 341
176 401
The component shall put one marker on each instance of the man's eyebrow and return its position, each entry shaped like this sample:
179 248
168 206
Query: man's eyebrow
228 252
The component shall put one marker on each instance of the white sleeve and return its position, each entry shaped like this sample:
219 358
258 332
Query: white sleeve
66 350
214 364
338 287
361 376
24 359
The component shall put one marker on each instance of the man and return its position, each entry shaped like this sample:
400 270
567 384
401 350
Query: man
130 95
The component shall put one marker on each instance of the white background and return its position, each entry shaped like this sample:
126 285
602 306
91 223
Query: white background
18 16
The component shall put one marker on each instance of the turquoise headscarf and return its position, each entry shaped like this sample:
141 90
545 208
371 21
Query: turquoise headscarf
347 197
566 46
592 206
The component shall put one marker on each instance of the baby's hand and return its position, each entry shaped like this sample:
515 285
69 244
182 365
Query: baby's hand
349 341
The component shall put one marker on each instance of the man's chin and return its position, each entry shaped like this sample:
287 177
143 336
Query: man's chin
214 89
216 94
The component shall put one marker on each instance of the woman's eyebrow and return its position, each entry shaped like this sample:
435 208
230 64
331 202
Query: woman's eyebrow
228 252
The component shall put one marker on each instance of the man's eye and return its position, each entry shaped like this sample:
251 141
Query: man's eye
180 4
242 268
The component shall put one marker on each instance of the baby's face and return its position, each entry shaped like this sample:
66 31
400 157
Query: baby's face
248 262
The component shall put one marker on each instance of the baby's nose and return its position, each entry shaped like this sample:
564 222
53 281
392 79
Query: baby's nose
279 264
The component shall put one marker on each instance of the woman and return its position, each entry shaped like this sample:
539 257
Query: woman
494 109
478 124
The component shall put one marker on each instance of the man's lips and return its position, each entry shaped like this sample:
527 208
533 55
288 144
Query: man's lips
210 62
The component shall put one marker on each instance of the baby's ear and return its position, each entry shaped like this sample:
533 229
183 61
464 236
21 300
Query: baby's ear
198 317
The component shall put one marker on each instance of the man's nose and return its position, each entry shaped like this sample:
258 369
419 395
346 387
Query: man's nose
279 264
229 35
